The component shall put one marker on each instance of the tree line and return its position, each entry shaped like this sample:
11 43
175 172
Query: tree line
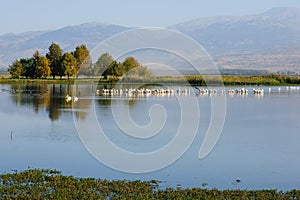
106 66
70 64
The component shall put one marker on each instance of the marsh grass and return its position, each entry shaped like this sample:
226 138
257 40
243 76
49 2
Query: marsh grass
227 80
51 184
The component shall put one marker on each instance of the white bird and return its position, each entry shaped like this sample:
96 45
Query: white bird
75 99
68 98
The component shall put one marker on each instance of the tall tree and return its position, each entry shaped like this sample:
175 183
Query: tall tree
28 67
84 61
54 56
130 63
42 67
69 63
16 69
102 64
114 69
143 72
36 55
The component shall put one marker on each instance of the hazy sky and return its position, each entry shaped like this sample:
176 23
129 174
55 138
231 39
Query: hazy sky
25 15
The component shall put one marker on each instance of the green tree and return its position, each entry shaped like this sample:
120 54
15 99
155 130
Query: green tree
102 64
131 67
42 67
119 70
16 69
144 72
28 67
69 63
84 61
114 69
36 55
54 56
130 63
134 69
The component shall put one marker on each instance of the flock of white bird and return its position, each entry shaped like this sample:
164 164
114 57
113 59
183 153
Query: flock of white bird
183 91
142 91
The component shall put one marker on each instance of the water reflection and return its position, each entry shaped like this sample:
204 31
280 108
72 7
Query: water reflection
49 97
259 141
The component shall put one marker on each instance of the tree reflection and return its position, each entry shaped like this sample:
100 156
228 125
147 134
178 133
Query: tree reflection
55 102
49 98
83 92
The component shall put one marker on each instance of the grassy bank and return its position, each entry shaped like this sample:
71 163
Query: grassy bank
51 184
267 80
228 80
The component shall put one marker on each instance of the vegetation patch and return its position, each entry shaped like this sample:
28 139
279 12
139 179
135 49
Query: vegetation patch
73 64
51 184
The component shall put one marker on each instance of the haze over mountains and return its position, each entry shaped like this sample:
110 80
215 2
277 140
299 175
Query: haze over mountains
269 40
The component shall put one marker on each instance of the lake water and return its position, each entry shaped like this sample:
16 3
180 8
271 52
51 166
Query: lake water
257 149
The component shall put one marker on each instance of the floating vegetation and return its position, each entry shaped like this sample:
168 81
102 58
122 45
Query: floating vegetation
51 184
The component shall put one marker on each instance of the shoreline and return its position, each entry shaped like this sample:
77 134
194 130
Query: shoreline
226 80
49 184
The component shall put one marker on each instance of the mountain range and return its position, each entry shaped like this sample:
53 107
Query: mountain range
270 40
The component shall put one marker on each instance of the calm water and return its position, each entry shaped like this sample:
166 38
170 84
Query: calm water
259 144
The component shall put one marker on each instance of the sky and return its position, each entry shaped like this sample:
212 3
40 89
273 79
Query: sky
17 16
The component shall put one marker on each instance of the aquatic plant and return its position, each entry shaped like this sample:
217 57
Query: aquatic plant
51 184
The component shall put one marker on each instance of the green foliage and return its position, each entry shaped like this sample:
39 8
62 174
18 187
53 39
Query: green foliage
28 65
16 69
272 80
68 64
35 67
54 63
42 67
51 184
84 61
75 63
129 68
102 64
114 69
54 56
130 63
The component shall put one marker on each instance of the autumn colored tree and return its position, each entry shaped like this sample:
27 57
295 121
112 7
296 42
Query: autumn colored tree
130 63
68 64
42 67
83 59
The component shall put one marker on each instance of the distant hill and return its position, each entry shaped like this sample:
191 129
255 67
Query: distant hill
268 40
235 35
281 60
